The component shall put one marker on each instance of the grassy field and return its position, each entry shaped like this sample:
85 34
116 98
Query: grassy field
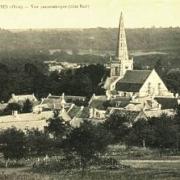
134 164
142 171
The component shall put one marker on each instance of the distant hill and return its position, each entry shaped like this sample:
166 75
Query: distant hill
93 38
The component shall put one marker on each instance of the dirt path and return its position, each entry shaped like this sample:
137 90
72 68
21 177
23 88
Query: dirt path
162 164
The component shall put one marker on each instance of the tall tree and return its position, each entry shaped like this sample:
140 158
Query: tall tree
38 143
57 126
117 124
140 134
86 142
13 144
27 106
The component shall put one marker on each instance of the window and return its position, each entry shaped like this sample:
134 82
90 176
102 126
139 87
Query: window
159 88
116 71
149 88
98 115
118 103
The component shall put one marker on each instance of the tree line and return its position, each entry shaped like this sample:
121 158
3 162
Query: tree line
92 38
30 79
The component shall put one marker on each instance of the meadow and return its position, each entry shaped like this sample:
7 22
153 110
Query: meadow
134 164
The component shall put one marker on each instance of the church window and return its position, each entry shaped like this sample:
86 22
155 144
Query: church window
149 88
126 67
159 88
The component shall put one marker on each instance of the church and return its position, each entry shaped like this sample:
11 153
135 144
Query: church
124 81
130 90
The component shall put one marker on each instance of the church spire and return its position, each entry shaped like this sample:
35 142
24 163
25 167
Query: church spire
121 63
121 52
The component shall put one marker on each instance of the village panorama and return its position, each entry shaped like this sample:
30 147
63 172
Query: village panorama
122 108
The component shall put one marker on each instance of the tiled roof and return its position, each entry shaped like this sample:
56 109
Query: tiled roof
52 103
74 98
74 111
84 113
98 104
22 98
119 102
132 80
167 103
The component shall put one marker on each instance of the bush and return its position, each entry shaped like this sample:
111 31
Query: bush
56 165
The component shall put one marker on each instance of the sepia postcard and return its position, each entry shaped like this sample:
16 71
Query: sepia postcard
89 89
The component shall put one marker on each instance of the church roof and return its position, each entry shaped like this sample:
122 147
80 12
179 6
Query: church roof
132 80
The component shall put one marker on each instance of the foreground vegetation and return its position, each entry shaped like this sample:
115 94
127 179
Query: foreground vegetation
138 170
95 151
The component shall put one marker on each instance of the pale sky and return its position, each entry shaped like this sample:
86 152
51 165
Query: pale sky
97 13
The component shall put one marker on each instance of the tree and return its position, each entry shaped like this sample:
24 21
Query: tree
12 107
140 134
38 143
13 144
158 67
86 142
57 126
117 125
177 126
27 106
165 132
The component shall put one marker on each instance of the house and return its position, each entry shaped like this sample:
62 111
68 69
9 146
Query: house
22 98
53 102
97 106
79 115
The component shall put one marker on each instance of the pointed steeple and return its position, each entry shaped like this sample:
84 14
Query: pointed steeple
121 63
121 52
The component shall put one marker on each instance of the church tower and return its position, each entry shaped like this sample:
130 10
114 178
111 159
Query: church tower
121 63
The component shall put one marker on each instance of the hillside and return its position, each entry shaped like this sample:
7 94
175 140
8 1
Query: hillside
94 38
